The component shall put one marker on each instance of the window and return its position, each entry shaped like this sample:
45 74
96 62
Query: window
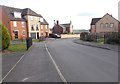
41 20
106 25
14 23
36 18
32 28
17 14
37 27
23 24
41 26
31 17
23 32
111 25
46 26
101 25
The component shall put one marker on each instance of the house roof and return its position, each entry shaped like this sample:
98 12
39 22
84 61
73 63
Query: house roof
28 11
94 20
44 22
10 12
65 25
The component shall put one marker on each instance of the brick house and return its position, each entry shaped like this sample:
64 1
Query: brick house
62 28
16 24
21 23
44 29
106 24
33 23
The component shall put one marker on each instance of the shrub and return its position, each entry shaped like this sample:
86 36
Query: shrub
113 39
5 37
83 36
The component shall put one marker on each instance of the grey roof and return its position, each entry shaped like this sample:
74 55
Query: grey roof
44 22
94 20
28 11
9 11
65 25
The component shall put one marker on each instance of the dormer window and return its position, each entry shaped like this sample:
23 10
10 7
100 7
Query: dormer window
41 20
17 14
31 17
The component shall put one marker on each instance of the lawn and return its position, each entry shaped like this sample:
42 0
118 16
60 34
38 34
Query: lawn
35 40
17 47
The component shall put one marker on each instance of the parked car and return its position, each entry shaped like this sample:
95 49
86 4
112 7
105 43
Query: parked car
54 35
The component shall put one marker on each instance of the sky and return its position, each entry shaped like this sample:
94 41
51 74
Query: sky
80 12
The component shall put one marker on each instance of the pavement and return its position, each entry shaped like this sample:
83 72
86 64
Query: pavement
35 66
9 60
98 45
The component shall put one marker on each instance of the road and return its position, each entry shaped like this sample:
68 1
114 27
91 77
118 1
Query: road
77 63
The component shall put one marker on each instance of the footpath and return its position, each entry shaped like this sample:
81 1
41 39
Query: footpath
98 45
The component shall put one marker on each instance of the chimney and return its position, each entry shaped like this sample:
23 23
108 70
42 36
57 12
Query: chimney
54 22
57 22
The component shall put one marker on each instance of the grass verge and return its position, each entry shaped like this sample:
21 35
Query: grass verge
17 47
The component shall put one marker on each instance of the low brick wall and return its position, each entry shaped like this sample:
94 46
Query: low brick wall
70 35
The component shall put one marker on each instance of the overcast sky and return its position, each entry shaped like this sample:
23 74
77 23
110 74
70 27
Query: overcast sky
80 12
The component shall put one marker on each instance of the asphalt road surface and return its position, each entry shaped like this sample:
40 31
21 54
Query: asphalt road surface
77 63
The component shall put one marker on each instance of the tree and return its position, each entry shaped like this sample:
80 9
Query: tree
5 37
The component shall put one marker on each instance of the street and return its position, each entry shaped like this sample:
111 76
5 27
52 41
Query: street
74 62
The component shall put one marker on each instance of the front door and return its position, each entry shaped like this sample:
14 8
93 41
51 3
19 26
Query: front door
37 35
46 34
16 34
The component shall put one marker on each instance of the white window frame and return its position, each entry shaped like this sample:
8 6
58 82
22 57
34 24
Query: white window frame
17 14
106 25
23 24
41 20
41 26
31 18
36 27
36 18
23 31
111 25
15 23
101 25
46 26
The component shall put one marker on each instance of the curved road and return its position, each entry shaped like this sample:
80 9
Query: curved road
77 63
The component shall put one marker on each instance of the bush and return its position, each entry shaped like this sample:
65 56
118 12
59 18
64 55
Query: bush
83 36
114 39
5 37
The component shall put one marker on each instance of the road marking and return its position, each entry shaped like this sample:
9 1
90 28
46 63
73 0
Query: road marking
13 67
58 70
25 79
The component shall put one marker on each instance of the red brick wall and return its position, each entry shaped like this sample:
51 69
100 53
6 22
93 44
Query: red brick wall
44 30
5 19
19 28
57 29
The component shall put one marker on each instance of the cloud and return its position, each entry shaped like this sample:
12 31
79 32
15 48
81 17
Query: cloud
86 14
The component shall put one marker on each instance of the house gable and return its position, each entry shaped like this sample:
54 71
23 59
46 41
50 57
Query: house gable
104 24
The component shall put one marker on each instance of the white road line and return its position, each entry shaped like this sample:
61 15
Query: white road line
25 79
13 67
58 70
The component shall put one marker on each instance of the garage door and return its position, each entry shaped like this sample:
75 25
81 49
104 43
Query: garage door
33 35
